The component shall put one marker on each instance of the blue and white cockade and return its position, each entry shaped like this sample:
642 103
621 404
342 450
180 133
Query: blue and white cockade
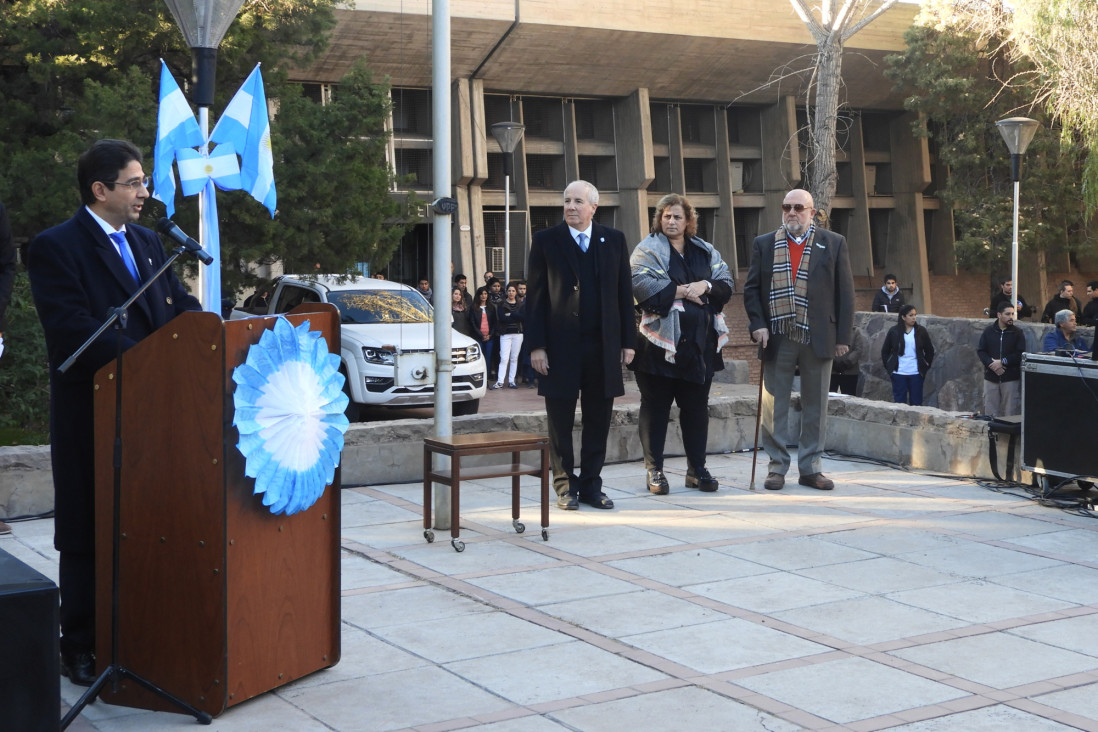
290 414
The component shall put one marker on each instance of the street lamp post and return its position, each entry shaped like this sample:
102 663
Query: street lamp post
204 23
507 134
1017 132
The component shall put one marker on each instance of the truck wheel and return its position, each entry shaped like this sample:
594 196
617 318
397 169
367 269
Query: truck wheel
463 408
352 411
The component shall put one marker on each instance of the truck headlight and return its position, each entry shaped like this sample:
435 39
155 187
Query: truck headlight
472 353
378 355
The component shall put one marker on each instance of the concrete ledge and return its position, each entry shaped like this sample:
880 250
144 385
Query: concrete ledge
923 438
26 481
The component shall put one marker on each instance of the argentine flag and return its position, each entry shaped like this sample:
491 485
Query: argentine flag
245 124
176 129
220 166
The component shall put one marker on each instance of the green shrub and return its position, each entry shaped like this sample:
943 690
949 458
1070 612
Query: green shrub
24 369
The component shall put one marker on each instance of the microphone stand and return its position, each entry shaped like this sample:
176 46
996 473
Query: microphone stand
115 672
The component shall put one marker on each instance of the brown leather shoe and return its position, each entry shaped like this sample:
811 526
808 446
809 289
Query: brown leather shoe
819 481
4 528
774 481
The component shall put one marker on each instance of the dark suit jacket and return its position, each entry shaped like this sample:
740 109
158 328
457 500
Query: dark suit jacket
553 302
76 277
830 292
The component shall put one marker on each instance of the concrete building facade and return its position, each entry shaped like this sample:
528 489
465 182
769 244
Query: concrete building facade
701 98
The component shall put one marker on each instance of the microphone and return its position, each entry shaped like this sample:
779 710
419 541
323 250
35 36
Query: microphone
167 227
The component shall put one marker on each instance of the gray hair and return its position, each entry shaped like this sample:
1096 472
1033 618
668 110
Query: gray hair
592 192
1063 316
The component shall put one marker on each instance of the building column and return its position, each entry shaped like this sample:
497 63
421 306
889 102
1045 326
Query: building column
636 165
781 158
906 245
859 240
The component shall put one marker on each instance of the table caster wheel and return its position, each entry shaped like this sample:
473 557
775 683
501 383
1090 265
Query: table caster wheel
519 526
545 534
459 546
429 536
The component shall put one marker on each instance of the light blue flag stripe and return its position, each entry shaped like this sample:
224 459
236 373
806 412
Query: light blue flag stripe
212 245
176 129
245 123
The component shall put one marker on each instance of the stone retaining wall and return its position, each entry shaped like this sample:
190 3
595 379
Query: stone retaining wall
922 438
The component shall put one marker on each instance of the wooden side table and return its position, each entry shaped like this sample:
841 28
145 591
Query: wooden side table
457 447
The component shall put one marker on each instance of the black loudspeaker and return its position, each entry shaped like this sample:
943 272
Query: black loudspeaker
1059 406
30 684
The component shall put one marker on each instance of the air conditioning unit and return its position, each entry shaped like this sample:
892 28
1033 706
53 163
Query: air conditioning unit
737 176
496 259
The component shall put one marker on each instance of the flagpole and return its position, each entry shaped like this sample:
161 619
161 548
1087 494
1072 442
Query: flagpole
204 293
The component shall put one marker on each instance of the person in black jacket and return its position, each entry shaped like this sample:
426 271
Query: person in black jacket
907 354
888 299
483 320
459 313
509 315
1000 350
681 285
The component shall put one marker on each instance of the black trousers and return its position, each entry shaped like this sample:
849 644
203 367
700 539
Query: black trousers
657 394
597 411
76 575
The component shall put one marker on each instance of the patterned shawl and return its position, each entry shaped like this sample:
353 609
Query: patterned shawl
789 295
650 263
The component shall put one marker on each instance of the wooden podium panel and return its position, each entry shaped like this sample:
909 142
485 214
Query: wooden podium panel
219 600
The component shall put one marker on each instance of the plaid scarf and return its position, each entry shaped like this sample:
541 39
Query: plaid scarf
789 296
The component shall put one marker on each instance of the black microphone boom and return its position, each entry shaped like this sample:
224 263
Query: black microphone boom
167 227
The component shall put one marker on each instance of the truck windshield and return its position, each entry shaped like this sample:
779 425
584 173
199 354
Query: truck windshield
362 307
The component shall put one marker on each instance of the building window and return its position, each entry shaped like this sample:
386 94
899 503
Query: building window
662 182
594 120
744 126
412 112
660 129
600 171
415 163
544 118
746 222
545 172
544 217
697 124
700 174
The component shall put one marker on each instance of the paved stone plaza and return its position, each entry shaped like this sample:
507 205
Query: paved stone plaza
899 600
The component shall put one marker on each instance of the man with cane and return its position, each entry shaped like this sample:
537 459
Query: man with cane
799 297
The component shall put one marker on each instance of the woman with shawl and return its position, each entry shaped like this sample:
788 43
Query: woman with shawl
681 286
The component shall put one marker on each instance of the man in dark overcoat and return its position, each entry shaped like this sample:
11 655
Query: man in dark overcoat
580 329
78 272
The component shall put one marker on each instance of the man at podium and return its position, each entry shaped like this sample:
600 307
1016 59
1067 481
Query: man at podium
79 270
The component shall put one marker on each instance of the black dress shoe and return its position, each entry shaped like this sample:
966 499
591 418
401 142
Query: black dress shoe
701 479
599 501
79 667
657 482
567 502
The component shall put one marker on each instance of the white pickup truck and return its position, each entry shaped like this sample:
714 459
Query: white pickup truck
384 325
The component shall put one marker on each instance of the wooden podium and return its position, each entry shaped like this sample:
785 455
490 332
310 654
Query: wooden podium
220 600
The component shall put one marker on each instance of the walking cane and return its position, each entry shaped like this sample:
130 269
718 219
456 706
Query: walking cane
758 420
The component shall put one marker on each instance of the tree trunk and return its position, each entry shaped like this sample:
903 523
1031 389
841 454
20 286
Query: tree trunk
822 173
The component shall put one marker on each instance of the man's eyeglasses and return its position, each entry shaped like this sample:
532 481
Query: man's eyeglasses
143 182
798 207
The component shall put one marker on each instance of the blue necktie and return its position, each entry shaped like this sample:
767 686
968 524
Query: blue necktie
124 249
582 240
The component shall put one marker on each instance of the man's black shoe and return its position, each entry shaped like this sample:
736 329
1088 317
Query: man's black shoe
599 501
567 502
701 480
657 482
79 667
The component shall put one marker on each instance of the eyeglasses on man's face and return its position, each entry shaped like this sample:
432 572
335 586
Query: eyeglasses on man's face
142 182
798 207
